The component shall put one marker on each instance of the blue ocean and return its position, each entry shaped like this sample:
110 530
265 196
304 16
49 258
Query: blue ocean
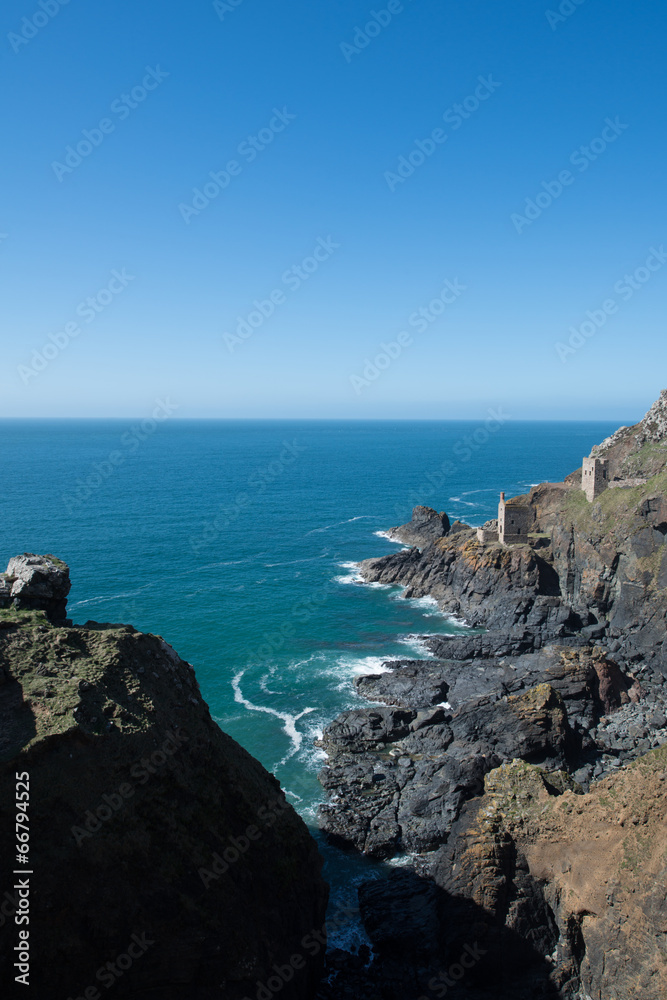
236 541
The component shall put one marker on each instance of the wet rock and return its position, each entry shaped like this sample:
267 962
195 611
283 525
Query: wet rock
410 684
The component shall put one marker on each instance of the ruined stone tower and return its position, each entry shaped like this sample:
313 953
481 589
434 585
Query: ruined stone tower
594 477
514 522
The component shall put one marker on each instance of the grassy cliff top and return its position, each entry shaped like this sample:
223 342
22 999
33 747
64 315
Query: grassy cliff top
97 679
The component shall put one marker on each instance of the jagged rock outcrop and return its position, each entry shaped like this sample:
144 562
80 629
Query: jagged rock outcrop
541 891
589 681
625 447
147 824
488 585
36 582
426 526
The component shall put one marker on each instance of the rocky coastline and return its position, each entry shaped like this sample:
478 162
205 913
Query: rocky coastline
513 784
520 774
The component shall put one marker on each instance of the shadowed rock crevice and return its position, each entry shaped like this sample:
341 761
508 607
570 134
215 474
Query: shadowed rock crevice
429 942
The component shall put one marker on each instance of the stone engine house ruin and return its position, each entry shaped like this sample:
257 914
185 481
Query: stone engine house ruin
594 477
515 520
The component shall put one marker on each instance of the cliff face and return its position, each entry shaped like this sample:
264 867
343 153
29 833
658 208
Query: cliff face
152 833
525 763
610 556
590 900
541 892
611 561
491 586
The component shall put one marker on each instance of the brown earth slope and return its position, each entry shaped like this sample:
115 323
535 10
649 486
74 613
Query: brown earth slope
600 860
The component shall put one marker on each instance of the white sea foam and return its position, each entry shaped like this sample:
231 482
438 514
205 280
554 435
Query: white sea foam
313 658
289 721
353 576
349 520
295 562
434 611
459 622
111 597
348 666
385 534
428 606
313 757
366 665
401 861
264 681
293 795
415 642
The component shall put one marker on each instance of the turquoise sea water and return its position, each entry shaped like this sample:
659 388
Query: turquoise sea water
234 540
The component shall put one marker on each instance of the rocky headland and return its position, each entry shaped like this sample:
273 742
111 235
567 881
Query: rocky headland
521 772
166 862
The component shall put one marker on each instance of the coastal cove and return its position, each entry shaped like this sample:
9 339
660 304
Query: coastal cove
235 541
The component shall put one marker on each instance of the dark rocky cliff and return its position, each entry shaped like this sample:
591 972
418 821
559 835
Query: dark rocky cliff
425 526
152 833
600 565
523 767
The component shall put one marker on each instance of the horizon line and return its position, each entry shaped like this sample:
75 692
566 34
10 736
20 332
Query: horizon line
377 420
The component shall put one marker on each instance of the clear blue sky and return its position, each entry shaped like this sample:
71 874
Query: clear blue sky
350 106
